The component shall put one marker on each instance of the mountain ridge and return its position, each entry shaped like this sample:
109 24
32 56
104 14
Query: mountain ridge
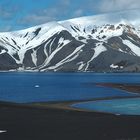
77 45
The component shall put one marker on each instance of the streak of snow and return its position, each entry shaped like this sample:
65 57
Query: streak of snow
3 51
3 131
34 57
67 59
61 40
81 65
54 52
133 47
98 50
50 46
114 66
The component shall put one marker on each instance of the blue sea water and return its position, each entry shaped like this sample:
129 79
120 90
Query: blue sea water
44 87
117 106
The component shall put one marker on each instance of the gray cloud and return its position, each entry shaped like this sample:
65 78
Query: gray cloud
6 28
45 15
78 13
64 9
34 19
117 5
70 9
7 12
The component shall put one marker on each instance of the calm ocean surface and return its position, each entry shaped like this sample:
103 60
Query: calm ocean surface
43 87
117 106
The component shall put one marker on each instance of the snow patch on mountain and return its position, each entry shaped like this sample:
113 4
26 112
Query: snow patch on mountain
37 47
134 48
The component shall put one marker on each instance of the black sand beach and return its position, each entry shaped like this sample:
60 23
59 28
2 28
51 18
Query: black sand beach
31 123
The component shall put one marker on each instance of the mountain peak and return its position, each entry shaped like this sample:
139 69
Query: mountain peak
94 43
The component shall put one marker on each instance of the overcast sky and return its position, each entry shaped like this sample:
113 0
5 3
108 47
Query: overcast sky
18 14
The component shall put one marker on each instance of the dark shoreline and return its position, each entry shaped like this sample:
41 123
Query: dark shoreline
133 88
31 123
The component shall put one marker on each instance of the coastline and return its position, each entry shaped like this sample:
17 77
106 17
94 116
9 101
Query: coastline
133 88
57 120
30 123
66 105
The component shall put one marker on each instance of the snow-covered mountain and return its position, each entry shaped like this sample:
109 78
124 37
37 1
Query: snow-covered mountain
103 43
